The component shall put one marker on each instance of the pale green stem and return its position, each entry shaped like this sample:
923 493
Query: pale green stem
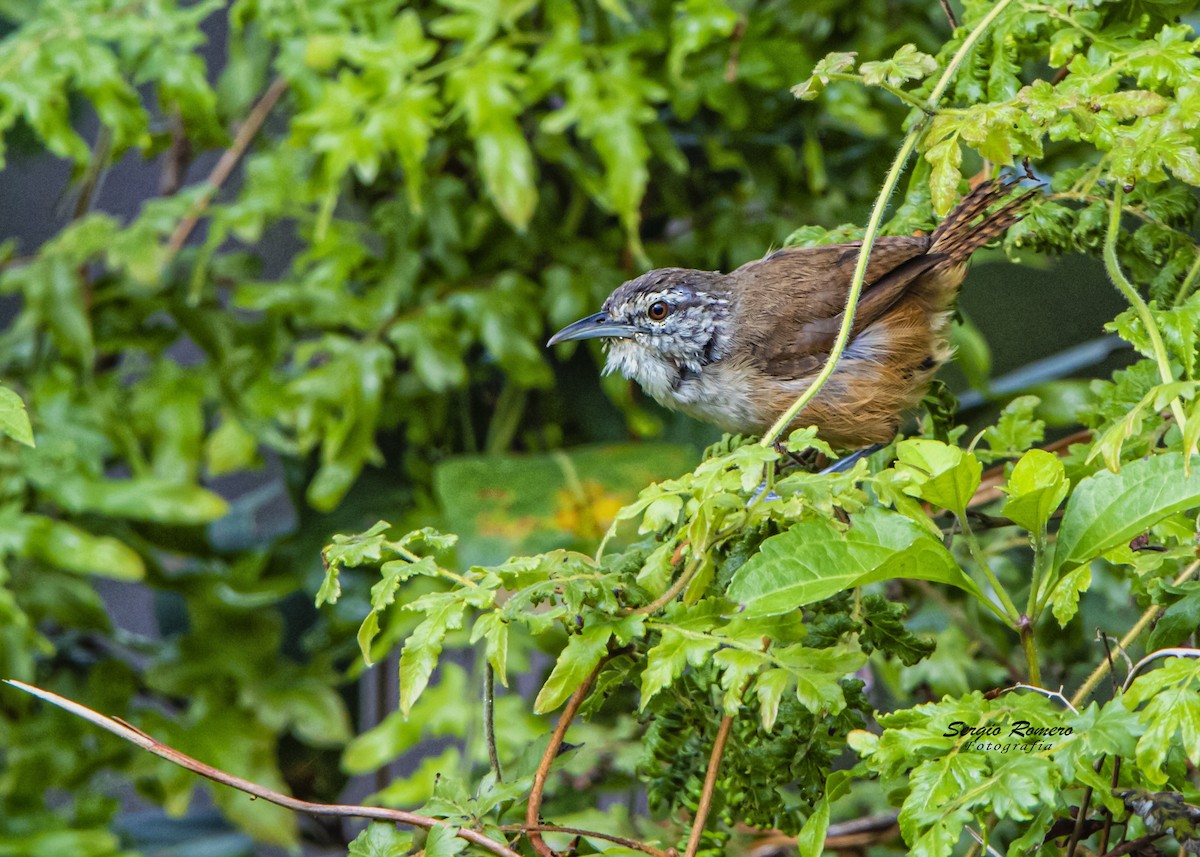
1031 655
443 572
907 97
1010 610
1113 266
1032 609
856 284
868 240
1185 287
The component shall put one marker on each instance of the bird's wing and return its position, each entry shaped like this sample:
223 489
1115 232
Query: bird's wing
790 304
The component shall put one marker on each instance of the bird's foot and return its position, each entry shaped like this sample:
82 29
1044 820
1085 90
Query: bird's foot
805 460
844 464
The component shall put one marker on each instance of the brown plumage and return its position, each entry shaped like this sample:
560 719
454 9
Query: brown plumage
737 349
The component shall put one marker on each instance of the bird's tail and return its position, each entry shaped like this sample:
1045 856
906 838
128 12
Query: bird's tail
962 232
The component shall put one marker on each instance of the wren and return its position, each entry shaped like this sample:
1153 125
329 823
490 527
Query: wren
737 349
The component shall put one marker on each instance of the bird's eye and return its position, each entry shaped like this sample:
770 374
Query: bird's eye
658 310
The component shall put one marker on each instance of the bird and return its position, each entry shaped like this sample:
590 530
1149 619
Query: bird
736 349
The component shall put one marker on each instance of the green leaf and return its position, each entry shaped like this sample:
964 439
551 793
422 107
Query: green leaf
946 158
14 420
1171 714
1064 598
946 475
420 653
1179 621
813 560
1109 508
906 64
74 549
666 661
441 841
768 689
1016 430
381 839
140 499
574 665
494 631
834 63
819 673
1036 486
811 841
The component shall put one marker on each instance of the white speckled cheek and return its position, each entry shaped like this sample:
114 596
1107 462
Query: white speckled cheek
634 361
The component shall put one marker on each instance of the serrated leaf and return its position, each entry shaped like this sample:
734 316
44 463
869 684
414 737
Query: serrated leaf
421 650
1036 486
818 674
380 840
768 689
666 661
813 560
906 64
14 420
442 841
945 158
1178 622
583 651
1017 429
947 476
494 631
1171 696
1064 598
1109 508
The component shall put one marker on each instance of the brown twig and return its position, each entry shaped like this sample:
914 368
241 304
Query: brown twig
224 167
949 14
1132 845
735 49
1073 842
1108 818
710 784
533 810
176 160
136 736
607 837
489 719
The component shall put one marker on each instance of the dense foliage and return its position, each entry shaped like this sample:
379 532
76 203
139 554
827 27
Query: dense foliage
432 187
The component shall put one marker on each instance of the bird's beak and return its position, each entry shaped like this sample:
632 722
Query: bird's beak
598 326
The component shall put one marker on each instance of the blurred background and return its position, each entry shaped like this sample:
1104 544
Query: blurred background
278 269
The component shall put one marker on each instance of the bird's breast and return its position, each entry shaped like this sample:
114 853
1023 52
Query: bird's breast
726 394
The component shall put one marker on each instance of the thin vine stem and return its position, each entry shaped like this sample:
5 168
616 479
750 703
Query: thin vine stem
907 97
1185 288
873 224
1011 614
1113 266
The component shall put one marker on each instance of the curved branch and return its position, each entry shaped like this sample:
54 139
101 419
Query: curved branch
873 224
533 823
710 784
224 167
595 834
378 813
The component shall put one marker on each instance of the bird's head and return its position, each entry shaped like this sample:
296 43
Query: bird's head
660 328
